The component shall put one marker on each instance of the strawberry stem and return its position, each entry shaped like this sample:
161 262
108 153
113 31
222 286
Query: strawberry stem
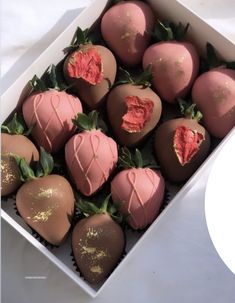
128 160
104 206
189 110
141 79
89 209
166 31
15 127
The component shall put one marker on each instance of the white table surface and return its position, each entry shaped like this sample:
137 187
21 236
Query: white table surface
196 272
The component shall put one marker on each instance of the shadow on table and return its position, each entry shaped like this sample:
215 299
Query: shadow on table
33 52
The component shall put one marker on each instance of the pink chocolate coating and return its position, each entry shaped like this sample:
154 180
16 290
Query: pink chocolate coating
174 68
214 94
51 113
138 193
126 28
91 157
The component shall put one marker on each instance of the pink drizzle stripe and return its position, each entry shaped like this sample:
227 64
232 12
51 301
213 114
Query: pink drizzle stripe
37 102
151 176
134 190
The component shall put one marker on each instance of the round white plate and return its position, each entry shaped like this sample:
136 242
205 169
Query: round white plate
220 204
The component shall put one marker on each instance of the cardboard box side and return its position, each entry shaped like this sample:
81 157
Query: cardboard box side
75 277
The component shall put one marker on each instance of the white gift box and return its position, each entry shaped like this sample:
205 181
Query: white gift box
200 32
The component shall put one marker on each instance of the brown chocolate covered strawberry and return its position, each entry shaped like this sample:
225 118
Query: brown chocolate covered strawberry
14 142
90 68
91 156
49 109
45 202
181 145
133 110
97 241
137 191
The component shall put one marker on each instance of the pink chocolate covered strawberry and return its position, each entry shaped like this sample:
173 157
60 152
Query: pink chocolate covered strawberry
181 145
137 191
91 156
50 112
174 63
91 69
126 28
214 94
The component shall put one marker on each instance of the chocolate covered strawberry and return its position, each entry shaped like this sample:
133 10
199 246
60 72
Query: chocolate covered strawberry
133 109
97 241
174 63
45 202
137 191
90 68
14 142
91 156
126 28
50 112
181 145
214 94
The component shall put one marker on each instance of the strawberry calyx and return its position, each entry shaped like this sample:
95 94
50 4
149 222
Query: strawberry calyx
169 31
141 78
88 209
51 79
16 126
86 122
189 111
212 60
81 37
186 143
135 159
42 168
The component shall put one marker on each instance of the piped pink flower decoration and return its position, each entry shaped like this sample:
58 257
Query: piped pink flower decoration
139 112
186 143
86 64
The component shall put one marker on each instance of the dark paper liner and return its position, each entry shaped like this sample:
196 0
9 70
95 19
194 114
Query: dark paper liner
36 234
8 197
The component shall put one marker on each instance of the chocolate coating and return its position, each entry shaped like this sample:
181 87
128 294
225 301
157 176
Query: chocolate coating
116 109
94 95
10 176
98 243
164 149
17 145
138 193
47 205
